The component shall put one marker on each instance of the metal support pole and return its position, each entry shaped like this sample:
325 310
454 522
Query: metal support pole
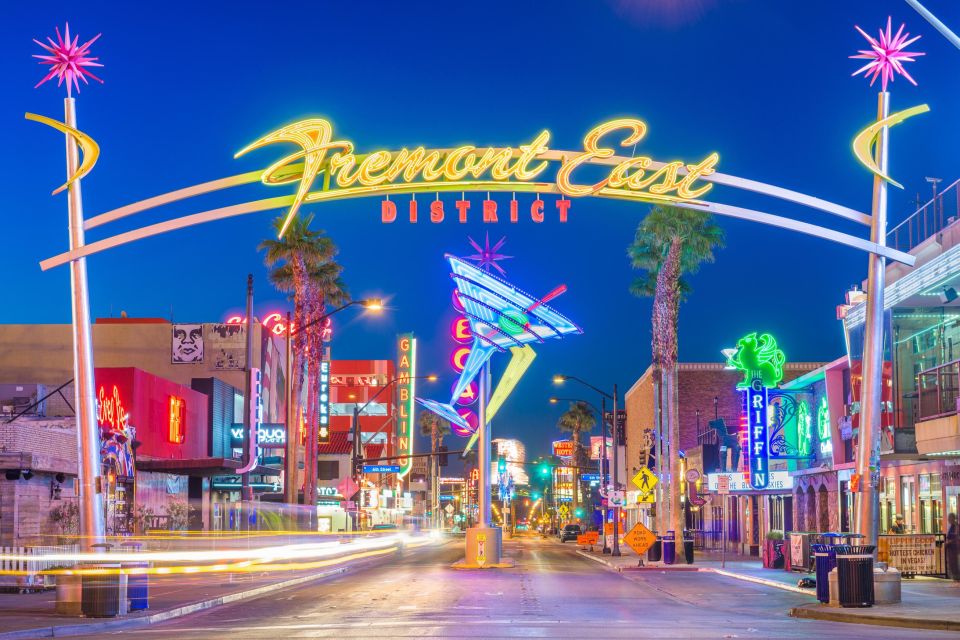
293 436
483 451
616 476
868 449
603 466
354 466
92 525
246 492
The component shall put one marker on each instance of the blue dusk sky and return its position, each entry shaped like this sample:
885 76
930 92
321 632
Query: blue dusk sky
187 84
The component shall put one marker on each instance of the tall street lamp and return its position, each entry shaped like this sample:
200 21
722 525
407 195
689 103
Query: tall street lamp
560 379
355 427
603 455
290 461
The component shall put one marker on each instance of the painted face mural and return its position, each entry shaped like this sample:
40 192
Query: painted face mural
187 343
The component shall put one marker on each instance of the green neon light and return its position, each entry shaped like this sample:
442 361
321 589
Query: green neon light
513 322
804 432
823 427
758 357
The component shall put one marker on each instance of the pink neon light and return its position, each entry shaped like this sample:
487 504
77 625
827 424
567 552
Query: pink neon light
68 61
887 55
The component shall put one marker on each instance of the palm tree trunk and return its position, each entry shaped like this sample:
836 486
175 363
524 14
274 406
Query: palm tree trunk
665 309
576 472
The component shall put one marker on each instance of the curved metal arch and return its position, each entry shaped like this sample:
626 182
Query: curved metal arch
492 186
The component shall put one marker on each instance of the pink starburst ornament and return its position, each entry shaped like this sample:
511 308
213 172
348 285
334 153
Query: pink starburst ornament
887 55
68 61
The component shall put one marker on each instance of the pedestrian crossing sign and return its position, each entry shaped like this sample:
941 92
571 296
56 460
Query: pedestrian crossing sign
563 510
645 481
647 498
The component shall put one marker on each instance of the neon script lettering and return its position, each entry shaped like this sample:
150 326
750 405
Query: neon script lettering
488 168
110 410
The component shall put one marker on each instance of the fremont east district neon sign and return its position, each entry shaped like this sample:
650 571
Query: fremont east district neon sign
346 173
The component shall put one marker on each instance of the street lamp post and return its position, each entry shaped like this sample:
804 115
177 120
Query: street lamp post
560 379
290 460
603 455
357 450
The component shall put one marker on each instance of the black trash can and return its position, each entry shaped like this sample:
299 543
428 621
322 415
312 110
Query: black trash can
655 552
669 548
100 594
855 575
688 550
824 561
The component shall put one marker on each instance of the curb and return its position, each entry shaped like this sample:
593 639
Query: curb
722 572
834 615
58 631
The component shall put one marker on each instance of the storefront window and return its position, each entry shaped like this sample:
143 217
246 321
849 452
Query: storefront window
924 338
931 505
908 502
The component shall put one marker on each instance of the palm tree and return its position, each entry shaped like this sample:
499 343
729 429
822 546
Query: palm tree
434 426
669 243
577 419
302 263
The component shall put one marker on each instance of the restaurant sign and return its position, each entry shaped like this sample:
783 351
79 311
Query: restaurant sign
739 481
911 554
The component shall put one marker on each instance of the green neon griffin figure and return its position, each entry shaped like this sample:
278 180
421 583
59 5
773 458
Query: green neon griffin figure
758 357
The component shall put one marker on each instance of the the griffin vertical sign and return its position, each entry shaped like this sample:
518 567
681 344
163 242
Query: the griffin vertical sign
406 373
757 426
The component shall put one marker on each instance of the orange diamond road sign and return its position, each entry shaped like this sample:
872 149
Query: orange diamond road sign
640 539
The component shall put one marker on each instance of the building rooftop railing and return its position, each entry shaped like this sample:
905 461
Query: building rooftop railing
937 214
937 391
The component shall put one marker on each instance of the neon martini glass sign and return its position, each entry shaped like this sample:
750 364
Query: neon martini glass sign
502 318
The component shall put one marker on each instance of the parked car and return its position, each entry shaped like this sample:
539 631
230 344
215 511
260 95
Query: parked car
570 532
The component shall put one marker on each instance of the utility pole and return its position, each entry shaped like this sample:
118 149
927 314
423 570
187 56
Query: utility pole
603 468
616 475
246 493
293 435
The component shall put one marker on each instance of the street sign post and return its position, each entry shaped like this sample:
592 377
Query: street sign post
640 539
723 488
381 468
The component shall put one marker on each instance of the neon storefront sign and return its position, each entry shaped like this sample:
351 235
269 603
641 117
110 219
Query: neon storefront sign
177 420
276 324
406 390
110 409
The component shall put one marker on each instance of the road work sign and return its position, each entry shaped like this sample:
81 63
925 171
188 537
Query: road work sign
640 539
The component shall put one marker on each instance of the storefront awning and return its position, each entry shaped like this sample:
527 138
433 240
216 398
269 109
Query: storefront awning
200 466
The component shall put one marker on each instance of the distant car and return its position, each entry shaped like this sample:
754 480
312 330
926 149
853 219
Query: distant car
570 532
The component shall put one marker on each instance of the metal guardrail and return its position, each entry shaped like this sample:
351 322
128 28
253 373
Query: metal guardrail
936 215
33 580
937 391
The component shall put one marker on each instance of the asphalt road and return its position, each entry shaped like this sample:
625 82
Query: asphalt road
551 593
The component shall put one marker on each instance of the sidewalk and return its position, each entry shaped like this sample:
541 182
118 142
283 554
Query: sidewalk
927 603
33 615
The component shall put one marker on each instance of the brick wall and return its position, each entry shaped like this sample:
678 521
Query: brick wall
52 441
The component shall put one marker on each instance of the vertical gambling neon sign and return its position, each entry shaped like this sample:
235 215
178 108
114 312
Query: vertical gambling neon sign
406 372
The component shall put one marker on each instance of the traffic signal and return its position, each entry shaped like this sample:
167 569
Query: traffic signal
535 496
443 455
544 469
358 466
502 465
579 512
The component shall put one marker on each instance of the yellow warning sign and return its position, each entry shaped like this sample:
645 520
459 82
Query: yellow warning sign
645 480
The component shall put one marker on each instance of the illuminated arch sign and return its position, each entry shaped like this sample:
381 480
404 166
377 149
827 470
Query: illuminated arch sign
324 166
